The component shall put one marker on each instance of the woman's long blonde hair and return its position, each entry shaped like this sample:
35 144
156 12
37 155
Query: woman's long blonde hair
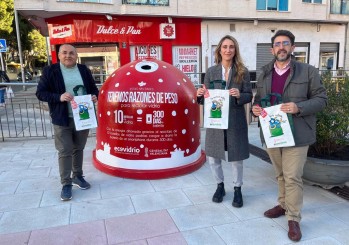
237 60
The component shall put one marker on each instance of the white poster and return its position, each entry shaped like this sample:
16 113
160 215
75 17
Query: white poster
187 59
216 109
276 127
83 112
140 52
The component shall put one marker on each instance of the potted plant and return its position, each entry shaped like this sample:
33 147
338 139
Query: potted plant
328 158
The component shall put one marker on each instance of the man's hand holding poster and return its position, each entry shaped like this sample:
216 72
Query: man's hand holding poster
276 127
83 112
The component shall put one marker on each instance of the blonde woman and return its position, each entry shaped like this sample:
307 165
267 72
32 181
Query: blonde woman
230 145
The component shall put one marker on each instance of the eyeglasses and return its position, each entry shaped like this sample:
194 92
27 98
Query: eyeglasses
284 43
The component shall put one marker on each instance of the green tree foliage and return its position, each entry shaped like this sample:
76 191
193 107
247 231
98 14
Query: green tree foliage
38 48
32 42
332 132
24 29
6 16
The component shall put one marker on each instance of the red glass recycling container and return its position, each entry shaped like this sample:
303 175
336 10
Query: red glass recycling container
148 122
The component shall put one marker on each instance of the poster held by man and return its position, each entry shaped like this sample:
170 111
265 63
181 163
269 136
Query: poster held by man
276 127
83 112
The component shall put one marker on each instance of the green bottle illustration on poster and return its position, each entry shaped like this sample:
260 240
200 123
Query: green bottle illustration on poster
275 127
83 112
216 109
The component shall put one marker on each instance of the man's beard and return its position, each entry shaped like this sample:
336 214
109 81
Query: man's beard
288 55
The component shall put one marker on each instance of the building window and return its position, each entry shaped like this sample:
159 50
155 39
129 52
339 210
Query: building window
312 1
328 61
87 1
272 5
339 7
301 54
328 56
148 2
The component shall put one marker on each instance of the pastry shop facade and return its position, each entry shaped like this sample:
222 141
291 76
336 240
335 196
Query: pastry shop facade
104 44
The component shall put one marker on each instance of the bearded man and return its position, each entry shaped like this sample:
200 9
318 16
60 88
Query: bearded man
303 95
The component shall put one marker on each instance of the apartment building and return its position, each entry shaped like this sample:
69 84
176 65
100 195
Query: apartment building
111 33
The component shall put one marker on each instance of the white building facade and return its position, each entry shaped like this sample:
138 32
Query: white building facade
317 48
320 26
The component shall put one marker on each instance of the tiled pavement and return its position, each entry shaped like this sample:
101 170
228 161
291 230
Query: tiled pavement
168 211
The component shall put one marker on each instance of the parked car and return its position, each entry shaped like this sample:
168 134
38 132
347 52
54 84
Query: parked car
28 76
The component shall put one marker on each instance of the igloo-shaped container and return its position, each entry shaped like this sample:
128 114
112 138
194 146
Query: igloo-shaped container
148 122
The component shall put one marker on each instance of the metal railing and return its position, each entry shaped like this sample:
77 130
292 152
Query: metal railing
24 116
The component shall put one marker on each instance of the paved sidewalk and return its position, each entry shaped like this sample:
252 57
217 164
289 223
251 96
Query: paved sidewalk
168 211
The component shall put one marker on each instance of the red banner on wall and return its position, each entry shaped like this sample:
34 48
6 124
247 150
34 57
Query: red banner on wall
74 28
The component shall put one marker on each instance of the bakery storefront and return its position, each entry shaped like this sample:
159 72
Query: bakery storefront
106 44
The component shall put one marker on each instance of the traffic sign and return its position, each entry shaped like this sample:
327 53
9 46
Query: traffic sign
3 46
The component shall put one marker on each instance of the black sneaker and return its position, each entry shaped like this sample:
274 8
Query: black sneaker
219 194
80 182
237 201
66 193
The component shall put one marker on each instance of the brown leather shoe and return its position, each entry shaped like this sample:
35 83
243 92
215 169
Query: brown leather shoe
275 212
294 231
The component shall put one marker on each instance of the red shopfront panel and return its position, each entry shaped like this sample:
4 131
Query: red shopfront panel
126 31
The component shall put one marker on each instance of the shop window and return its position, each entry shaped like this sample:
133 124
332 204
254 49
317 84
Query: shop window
147 2
139 52
102 60
272 5
187 59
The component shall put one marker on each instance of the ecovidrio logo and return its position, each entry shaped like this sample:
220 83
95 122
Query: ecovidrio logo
127 150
